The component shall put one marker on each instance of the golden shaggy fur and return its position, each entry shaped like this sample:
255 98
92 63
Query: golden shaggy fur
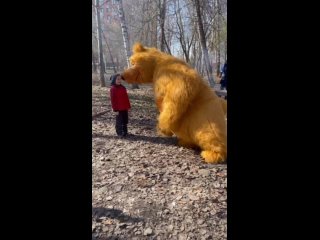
224 105
188 107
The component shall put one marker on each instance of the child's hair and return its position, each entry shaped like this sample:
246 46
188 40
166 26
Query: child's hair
113 78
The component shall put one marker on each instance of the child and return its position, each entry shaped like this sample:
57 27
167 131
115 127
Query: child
120 103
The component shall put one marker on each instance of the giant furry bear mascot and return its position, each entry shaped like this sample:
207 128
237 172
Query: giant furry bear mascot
188 107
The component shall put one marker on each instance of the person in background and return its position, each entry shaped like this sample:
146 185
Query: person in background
223 76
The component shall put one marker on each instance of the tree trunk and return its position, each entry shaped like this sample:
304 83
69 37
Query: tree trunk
125 36
218 36
225 51
111 57
162 8
94 67
204 45
99 39
154 35
181 36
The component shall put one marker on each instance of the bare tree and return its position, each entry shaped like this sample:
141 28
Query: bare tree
125 36
185 34
214 19
191 29
145 30
94 43
204 45
162 16
94 66
99 39
218 35
111 57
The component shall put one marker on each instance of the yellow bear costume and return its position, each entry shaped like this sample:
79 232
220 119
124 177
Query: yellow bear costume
188 107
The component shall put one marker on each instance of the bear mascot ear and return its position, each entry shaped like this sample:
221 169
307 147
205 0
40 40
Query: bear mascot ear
137 47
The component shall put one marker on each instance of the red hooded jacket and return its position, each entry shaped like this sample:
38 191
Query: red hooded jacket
119 98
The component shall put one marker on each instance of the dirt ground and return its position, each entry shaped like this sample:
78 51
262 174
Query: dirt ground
147 187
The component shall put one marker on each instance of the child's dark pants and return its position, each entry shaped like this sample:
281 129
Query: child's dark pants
121 123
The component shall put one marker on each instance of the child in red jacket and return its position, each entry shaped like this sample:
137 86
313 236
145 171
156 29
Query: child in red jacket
120 103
